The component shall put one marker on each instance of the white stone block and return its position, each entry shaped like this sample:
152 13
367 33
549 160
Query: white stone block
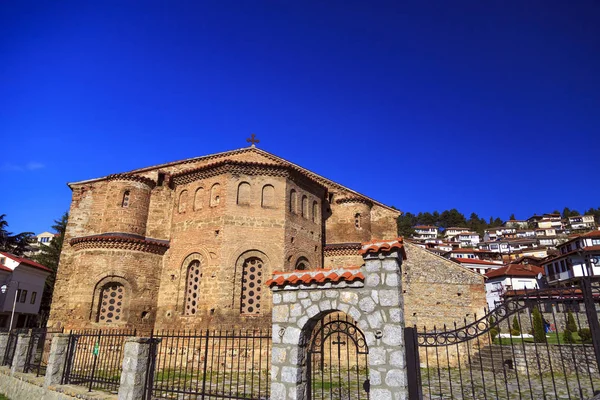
395 378
278 391
302 294
325 305
289 297
396 314
279 355
312 310
372 280
276 298
380 394
392 280
377 355
398 359
295 310
389 298
375 320
281 313
354 313
349 297
374 377
289 374
366 304
316 295
291 335
332 294
392 335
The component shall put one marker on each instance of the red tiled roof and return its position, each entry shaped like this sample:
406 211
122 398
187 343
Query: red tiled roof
516 270
376 246
474 261
347 274
25 261
425 227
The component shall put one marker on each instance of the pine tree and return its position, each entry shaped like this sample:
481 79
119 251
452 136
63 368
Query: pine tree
16 244
539 333
49 256
571 325
515 324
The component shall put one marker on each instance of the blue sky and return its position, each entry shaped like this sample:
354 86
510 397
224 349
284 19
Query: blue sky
491 107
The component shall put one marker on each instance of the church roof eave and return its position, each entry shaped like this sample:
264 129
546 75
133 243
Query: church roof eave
319 178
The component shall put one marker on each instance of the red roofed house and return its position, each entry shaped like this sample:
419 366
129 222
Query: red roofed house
480 266
22 281
510 277
426 232
578 257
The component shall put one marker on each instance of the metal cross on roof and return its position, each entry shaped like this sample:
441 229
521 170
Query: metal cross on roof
253 140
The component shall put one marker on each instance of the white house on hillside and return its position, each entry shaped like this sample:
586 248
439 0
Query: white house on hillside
578 257
582 222
22 282
426 232
453 231
510 277
467 239
480 266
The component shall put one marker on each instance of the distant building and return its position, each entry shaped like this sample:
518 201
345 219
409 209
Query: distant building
453 231
24 279
480 266
426 232
516 224
42 239
467 239
582 222
545 221
510 277
578 257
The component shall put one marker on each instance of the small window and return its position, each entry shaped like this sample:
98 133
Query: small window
182 201
315 212
2 260
125 202
293 201
198 198
215 195
357 220
23 296
33 296
161 179
244 194
304 206
302 264
268 196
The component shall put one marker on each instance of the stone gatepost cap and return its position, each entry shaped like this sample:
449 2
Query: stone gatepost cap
380 246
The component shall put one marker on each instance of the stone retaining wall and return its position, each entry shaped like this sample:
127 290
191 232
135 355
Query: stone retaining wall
22 386
580 357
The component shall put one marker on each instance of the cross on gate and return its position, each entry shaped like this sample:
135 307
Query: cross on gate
252 140
339 345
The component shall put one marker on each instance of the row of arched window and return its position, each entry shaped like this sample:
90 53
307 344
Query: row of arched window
304 207
244 197
113 295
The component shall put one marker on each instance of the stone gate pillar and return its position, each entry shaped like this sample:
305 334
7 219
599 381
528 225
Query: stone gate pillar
371 295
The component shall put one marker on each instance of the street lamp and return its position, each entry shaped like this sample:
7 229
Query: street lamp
3 289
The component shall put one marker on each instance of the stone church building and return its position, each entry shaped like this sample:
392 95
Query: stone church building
190 245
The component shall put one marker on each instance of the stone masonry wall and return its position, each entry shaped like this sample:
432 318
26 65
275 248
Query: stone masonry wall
375 304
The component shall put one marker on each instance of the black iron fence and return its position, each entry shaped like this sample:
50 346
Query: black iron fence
11 345
38 350
233 364
522 349
94 358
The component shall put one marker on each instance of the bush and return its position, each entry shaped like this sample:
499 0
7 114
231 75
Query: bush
493 333
571 325
568 336
515 325
585 335
539 333
515 332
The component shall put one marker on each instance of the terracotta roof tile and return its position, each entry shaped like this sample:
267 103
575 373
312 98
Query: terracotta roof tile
524 270
349 274
26 261
376 246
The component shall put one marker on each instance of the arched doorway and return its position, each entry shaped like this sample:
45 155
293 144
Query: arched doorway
337 360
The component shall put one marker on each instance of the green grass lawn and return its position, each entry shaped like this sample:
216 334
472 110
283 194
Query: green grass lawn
553 338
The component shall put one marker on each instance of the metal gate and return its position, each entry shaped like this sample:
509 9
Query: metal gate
536 344
337 362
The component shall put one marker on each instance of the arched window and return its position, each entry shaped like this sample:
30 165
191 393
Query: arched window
315 212
198 198
110 304
268 196
125 202
357 220
243 194
304 207
182 201
302 264
192 287
293 201
251 286
215 195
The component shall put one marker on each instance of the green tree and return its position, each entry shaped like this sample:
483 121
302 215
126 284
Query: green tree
571 325
568 336
49 256
515 325
406 222
512 217
16 244
539 332
452 217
